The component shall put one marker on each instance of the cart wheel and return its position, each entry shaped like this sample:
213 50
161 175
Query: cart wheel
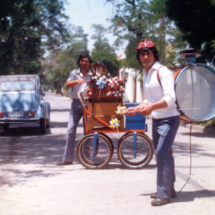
102 155
127 155
122 138
110 140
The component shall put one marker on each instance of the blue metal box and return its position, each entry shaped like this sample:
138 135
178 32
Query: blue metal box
136 122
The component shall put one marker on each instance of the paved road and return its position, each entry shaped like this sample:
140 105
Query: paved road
31 183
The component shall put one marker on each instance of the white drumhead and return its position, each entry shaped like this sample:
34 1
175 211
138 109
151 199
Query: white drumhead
195 92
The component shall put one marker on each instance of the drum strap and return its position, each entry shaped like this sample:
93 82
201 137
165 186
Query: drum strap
158 77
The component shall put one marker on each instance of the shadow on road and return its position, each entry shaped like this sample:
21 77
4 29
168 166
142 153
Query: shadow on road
189 196
38 153
120 166
198 134
196 149
26 146
22 131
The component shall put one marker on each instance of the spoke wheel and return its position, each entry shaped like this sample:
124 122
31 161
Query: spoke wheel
110 140
102 155
127 155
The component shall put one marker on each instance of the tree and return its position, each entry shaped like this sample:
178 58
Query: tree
101 43
195 18
27 28
107 58
138 19
58 65
103 52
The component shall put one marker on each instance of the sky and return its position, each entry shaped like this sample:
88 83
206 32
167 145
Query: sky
88 12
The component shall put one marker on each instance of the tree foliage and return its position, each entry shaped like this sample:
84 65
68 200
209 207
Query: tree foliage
101 42
27 28
139 19
102 51
58 65
195 18
107 58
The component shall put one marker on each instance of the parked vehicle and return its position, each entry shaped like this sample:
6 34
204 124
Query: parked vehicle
22 102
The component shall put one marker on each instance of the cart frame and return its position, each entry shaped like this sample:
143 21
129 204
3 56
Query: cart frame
136 135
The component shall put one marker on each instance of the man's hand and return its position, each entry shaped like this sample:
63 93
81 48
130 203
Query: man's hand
131 111
80 81
146 110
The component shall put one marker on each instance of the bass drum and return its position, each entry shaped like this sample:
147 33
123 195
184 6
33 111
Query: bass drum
195 92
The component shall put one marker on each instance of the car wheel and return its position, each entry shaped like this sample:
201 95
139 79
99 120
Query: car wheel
5 126
43 126
48 122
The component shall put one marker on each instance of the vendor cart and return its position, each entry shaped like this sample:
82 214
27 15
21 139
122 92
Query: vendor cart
95 149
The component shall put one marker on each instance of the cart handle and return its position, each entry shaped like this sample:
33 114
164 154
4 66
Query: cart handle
82 100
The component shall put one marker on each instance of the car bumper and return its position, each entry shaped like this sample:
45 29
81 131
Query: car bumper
19 121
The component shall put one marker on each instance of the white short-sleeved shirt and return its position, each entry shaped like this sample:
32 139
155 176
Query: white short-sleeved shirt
155 92
75 75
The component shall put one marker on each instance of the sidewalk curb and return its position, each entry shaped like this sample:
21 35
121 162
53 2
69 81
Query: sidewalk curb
198 128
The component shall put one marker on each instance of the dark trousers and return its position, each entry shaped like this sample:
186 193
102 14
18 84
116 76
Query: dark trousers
163 133
75 115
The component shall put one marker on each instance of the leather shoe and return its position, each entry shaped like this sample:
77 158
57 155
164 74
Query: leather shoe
173 195
159 202
64 163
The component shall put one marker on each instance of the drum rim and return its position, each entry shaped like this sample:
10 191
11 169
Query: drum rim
196 64
177 77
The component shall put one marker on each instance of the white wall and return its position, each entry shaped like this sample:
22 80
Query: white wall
139 91
130 85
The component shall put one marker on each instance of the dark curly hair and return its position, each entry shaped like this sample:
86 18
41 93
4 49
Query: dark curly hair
81 56
153 50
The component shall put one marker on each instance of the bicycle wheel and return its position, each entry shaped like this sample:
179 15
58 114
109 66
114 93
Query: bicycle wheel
94 159
110 140
135 159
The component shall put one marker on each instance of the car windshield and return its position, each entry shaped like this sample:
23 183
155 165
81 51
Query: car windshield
17 85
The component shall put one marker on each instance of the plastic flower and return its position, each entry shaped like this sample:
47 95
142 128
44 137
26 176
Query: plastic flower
113 82
109 93
101 82
114 123
96 76
116 92
121 110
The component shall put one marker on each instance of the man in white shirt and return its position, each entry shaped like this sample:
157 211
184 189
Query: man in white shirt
77 81
160 104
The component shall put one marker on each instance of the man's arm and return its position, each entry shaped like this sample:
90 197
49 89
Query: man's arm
147 109
71 83
133 110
